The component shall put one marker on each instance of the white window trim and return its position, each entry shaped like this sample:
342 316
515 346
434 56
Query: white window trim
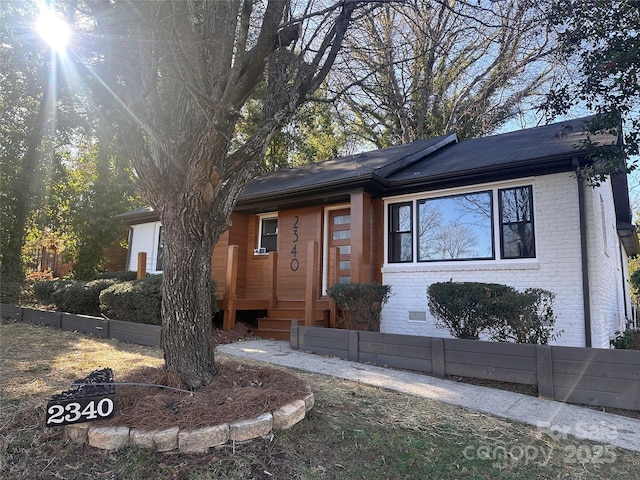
490 264
261 217
152 260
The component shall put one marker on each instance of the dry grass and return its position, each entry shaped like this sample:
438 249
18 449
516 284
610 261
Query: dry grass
36 362
353 432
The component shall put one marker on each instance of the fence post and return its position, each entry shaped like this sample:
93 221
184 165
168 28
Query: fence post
437 357
544 366
311 293
142 265
293 336
354 347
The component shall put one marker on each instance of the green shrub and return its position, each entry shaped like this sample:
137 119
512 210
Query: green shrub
43 291
504 314
120 276
139 300
134 301
627 340
361 303
525 317
82 297
465 308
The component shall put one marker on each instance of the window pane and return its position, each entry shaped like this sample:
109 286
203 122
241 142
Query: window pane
341 219
345 265
269 234
459 227
270 226
341 234
344 249
400 233
516 223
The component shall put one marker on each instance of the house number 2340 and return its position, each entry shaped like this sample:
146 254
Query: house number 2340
295 263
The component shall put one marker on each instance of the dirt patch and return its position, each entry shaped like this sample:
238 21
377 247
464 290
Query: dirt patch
239 333
237 392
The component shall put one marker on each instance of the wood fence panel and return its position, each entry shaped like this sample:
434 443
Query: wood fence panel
598 398
397 351
599 377
325 341
503 362
96 326
607 378
11 312
136 332
42 317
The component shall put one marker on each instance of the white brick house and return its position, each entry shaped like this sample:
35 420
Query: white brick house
501 209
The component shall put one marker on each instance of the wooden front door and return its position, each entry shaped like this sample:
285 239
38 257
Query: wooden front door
339 235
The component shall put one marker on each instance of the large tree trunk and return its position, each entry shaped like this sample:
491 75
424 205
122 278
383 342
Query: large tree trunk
186 297
186 69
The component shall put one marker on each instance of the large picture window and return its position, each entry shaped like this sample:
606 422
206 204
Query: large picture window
455 228
463 226
516 223
401 232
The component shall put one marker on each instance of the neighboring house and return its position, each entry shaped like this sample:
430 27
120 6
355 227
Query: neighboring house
504 209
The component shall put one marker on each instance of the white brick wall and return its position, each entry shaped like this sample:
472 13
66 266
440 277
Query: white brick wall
144 238
557 267
607 266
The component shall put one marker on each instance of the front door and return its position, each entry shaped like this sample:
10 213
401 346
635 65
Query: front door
339 235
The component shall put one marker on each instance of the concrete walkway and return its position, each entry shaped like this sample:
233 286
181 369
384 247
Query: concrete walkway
559 417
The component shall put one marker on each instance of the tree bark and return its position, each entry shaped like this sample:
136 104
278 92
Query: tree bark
186 297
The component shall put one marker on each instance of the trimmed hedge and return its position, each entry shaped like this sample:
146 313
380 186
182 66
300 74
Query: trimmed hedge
134 301
361 303
81 297
139 300
120 276
504 314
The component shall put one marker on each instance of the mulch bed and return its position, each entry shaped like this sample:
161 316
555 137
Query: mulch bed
237 392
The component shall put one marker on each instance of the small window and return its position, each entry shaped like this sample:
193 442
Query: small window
159 256
516 223
342 219
400 232
269 234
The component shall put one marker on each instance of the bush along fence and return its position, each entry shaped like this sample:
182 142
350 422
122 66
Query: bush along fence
138 333
589 376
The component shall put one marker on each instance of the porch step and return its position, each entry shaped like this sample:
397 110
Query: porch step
273 333
284 323
280 327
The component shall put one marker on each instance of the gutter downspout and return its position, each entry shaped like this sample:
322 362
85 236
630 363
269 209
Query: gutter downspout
586 294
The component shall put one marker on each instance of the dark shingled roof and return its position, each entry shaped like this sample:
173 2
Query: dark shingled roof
339 173
532 147
426 164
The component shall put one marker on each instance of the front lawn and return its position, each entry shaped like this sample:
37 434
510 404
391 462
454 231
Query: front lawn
353 432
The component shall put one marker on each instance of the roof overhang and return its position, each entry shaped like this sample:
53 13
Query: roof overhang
628 234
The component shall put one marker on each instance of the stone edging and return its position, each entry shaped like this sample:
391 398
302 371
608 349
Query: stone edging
191 441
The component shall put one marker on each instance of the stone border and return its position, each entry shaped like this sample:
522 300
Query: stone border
191 441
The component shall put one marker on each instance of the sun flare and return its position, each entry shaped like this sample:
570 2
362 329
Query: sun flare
53 29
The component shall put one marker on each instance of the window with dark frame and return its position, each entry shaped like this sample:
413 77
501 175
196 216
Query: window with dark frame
516 222
462 226
401 232
269 234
